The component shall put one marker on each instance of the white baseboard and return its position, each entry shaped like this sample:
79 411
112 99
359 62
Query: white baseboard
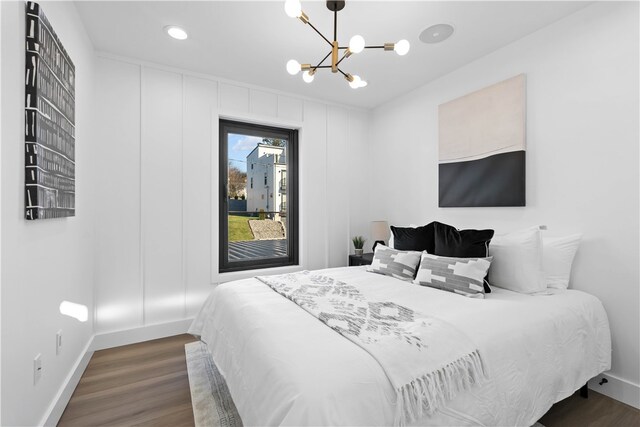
59 403
141 334
618 389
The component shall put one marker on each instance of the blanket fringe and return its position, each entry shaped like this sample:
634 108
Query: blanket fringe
424 395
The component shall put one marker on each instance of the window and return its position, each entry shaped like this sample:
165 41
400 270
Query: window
258 226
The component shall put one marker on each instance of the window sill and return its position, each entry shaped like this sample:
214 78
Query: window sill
246 274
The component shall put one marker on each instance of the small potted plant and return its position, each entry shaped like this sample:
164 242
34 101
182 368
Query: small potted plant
358 244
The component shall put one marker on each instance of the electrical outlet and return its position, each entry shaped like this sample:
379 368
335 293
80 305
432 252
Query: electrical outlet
59 342
37 368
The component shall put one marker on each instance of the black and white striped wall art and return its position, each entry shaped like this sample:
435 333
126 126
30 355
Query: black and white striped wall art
49 121
482 147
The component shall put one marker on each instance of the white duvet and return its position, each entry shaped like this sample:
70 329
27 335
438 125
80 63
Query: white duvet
285 367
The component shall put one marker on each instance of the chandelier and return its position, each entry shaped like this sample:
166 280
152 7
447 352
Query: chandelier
293 8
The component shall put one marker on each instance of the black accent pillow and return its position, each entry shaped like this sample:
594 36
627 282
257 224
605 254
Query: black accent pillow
414 239
451 242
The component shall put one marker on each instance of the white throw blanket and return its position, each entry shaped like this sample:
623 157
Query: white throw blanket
427 360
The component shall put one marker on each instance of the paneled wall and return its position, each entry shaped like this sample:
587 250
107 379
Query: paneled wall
157 156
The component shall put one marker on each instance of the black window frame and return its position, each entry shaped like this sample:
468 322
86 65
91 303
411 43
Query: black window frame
251 129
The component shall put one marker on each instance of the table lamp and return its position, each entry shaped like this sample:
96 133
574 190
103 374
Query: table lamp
379 232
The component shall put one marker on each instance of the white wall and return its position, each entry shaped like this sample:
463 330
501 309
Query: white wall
582 154
43 262
1 62
157 155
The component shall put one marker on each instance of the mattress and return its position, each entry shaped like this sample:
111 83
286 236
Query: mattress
285 367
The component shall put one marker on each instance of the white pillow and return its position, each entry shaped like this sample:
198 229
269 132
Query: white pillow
558 254
517 261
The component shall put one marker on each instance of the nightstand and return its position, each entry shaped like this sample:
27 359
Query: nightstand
364 259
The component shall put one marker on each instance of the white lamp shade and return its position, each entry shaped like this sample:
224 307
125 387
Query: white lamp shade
380 230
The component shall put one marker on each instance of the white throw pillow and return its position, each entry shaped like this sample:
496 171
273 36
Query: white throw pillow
517 261
558 254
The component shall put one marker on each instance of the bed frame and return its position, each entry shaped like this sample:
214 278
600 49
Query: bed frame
584 391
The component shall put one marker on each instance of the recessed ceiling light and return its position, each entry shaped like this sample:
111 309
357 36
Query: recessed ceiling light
436 33
176 32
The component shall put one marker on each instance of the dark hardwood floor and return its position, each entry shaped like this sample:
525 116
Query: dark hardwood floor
596 411
138 384
147 384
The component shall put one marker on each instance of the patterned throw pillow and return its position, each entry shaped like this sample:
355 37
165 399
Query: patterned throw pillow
464 276
395 263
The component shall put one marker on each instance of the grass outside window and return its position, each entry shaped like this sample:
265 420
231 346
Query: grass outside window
239 228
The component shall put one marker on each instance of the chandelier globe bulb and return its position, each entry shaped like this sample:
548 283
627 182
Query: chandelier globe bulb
355 83
356 44
293 8
293 67
308 77
402 47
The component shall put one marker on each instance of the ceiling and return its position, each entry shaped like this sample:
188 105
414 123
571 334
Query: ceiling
251 41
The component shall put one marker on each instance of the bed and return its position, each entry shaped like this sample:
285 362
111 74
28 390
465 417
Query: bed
285 367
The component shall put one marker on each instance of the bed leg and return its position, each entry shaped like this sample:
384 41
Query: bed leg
584 391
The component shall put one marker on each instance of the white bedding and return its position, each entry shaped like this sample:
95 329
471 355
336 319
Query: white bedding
284 367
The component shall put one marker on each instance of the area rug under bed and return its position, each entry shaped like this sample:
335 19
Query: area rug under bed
210 398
